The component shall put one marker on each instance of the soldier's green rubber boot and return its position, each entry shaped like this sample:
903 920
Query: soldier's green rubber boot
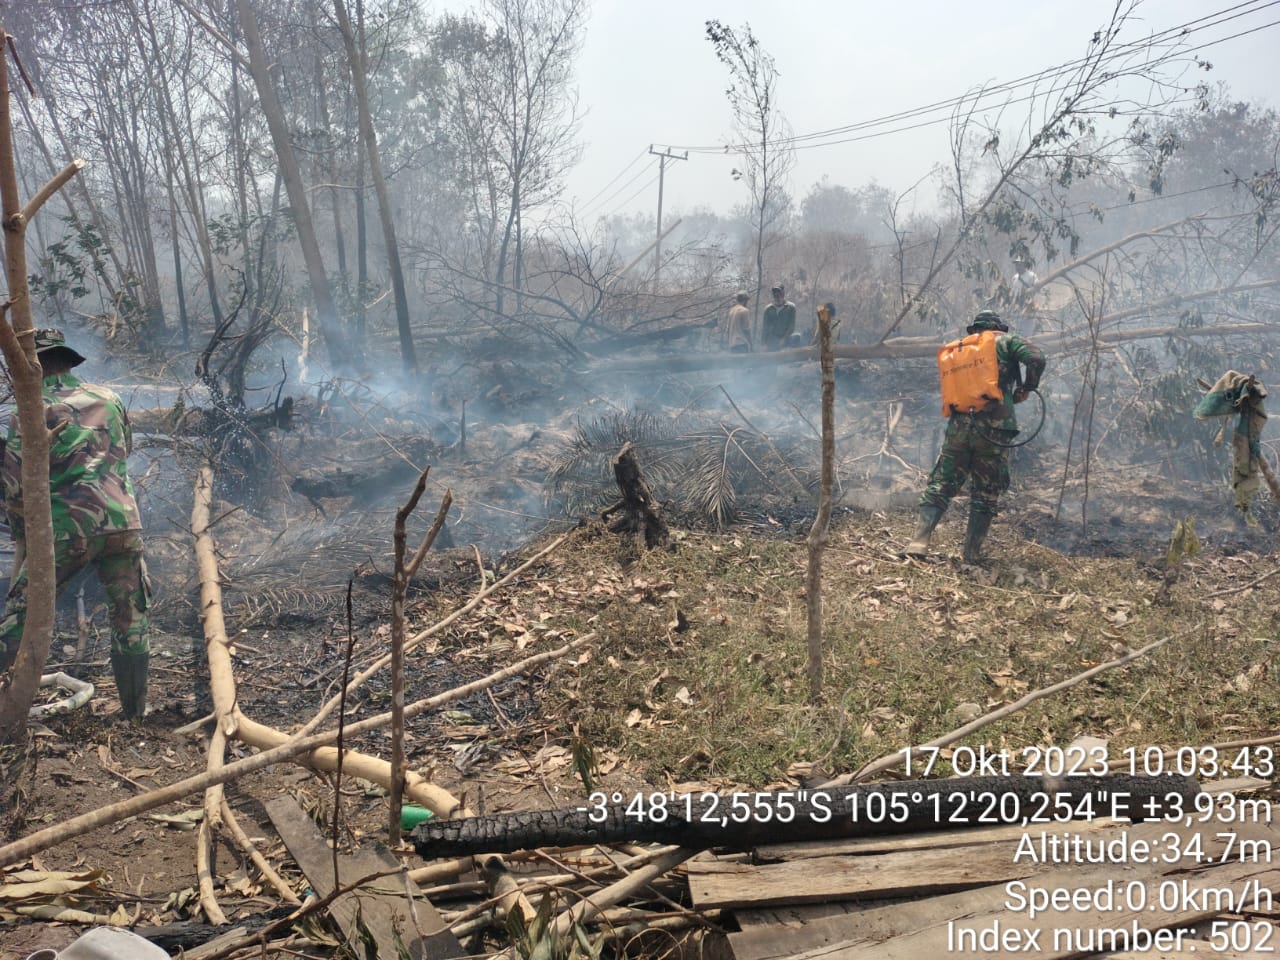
919 545
979 524
131 671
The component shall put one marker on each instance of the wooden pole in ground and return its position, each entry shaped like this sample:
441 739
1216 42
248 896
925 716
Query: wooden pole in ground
404 573
17 345
818 534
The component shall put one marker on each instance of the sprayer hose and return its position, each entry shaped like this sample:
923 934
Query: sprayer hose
1035 433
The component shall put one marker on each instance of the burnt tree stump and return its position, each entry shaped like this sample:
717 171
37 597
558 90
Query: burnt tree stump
639 508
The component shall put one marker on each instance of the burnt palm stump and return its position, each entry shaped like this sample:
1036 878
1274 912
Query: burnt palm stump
639 510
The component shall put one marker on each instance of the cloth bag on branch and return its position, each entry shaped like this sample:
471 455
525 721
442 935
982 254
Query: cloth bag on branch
1242 395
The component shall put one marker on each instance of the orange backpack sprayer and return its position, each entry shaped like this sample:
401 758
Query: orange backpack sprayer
969 373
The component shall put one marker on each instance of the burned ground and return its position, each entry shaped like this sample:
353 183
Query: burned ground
696 677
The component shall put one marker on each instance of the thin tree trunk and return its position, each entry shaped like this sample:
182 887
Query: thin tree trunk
184 322
362 249
17 343
359 80
326 311
331 171
818 535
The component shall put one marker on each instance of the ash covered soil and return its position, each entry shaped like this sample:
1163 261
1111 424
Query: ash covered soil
696 678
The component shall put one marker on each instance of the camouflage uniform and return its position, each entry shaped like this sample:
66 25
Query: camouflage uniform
971 449
95 519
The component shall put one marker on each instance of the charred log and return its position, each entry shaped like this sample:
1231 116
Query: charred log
185 936
639 508
182 421
743 820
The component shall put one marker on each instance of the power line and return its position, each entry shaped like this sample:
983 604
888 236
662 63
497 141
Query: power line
647 184
1048 74
634 160
1023 99
606 201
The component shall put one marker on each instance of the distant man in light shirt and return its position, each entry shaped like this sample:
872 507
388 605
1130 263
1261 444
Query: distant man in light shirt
1023 312
737 330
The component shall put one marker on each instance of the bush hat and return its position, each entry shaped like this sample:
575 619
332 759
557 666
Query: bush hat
49 339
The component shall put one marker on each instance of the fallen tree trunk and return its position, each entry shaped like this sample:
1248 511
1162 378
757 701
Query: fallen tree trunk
183 421
907 348
743 820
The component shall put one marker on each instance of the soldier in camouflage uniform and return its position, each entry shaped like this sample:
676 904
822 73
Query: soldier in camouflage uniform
972 446
95 513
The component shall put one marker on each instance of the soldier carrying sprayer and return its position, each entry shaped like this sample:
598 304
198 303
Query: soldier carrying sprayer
981 382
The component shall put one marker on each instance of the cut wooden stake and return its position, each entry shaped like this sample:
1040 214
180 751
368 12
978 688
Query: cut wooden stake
819 532
399 590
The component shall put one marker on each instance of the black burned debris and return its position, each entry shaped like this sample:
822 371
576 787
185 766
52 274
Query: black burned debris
743 820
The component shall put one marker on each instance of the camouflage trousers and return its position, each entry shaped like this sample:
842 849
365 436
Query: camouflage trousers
967 452
117 559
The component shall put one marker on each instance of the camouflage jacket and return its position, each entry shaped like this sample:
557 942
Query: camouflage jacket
88 477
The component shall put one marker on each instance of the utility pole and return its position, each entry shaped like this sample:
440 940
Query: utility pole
663 156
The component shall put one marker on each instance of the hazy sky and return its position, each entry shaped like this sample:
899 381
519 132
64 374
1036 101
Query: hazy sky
647 75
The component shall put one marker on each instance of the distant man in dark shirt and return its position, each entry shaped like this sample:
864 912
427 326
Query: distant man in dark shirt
779 321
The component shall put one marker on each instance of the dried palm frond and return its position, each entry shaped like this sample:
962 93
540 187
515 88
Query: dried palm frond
696 469
582 474
274 601
712 483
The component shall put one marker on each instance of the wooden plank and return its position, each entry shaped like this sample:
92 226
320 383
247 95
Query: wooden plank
962 837
718 884
934 839
381 906
801 930
880 869
1062 935
1201 949
803 927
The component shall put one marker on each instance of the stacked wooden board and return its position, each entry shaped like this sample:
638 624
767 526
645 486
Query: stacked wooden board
1209 886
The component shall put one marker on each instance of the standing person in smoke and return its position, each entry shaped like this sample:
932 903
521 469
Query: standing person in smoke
737 329
981 382
1024 305
779 323
95 513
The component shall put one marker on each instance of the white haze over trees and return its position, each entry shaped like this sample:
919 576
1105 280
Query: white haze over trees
235 206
